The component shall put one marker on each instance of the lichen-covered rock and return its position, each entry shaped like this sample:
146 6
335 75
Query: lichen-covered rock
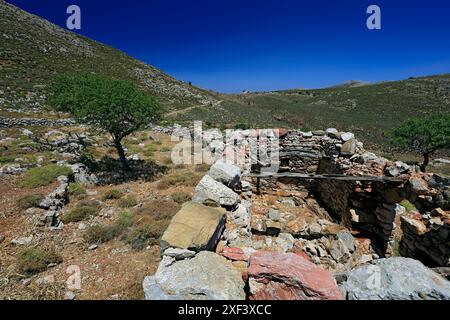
207 276
209 189
395 279
288 276
195 227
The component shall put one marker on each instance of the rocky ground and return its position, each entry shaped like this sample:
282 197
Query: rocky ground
73 226
36 216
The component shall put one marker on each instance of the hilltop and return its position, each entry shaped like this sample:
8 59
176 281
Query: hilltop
33 50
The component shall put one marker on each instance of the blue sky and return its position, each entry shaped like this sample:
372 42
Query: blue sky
235 45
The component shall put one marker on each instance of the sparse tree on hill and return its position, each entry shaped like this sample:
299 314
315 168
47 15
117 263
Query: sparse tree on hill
424 135
116 106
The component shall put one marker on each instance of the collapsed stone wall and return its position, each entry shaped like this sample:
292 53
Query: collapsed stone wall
263 251
371 207
24 122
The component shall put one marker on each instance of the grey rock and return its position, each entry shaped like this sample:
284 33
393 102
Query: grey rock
207 276
347 136
347 239
339 252
209 189
22 241
226 173
349 148
396 279
285 241
274 215
179 254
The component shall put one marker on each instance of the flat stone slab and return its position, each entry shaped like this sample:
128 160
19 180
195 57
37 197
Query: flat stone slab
195 227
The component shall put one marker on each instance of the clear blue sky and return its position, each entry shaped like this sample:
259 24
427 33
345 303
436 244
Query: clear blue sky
235 45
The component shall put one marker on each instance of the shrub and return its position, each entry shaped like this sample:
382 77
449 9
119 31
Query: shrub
165 149
125 219
128 201
43 176
148 153
167 161
112 194
99 234
188 179
151 221
8 159
407 205
146 234
80 213
202 167
34 260
181 197
163 185
30 201
77 190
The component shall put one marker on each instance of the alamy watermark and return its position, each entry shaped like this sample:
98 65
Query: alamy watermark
73 22
242 147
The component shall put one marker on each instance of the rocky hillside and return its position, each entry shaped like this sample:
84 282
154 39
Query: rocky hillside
367 110
33 50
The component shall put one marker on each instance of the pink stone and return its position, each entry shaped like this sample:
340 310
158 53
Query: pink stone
288 276
235 254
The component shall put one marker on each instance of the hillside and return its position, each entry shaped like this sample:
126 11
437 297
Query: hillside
33 50
366 110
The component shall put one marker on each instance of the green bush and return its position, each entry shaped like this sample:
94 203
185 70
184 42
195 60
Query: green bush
43 176
165 149
408 205
34 260
128 201
146 234
112 194
30 201
77 190
80 213
188 179
181 197
125 219
99 234
8 159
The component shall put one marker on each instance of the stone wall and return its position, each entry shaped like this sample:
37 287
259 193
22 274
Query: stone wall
24 122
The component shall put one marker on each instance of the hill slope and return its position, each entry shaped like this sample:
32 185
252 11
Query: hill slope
33 50
366 110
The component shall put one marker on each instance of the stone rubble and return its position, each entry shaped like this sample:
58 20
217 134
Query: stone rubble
277 247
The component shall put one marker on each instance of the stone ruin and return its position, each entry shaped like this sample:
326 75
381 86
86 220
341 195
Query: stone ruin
312 230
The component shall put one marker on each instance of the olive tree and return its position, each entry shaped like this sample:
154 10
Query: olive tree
424 135
115 106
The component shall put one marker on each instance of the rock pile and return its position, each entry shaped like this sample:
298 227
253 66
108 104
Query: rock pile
395 279
289 248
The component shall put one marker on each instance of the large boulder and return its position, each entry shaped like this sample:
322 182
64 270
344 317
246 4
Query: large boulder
207 276
226 173
288 276
209 190
395 279
195 227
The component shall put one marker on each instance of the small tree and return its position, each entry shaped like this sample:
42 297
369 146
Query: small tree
115 106
425 136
